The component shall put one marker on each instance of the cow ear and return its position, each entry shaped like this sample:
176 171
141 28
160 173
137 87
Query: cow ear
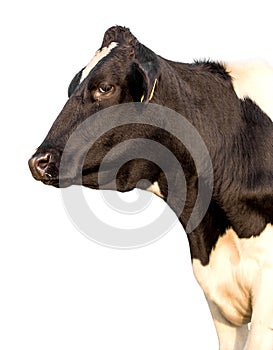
147 64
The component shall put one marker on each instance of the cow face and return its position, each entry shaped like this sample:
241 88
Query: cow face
122 71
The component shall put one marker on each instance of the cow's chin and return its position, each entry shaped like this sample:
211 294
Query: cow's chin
67 182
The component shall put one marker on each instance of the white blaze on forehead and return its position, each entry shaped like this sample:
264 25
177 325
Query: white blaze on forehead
100 54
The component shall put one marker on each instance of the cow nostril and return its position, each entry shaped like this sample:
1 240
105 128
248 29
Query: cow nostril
38 165
42 162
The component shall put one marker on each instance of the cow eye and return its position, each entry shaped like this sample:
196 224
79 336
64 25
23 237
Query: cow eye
104 88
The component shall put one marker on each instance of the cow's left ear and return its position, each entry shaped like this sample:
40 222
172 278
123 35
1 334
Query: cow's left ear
147 64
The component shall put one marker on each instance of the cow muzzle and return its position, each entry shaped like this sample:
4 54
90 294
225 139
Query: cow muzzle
43 167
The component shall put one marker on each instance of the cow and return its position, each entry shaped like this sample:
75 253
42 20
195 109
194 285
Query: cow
231 244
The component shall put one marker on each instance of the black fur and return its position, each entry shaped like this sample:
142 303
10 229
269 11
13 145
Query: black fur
237 133
75 83
214 67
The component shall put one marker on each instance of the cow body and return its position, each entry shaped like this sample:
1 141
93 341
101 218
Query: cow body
231 247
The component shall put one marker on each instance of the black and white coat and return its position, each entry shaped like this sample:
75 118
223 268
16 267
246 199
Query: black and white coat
232 247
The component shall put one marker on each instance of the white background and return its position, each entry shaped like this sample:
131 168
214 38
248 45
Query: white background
59 290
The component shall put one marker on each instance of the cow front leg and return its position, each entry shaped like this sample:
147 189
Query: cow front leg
261 331
230 336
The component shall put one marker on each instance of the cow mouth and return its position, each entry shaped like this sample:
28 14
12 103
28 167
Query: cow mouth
59 183
49 173
89 179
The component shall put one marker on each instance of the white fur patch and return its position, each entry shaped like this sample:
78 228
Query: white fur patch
253 80
100 54
230 336
154 188
231 279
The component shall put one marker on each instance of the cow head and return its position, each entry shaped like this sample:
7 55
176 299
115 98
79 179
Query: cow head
122 71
